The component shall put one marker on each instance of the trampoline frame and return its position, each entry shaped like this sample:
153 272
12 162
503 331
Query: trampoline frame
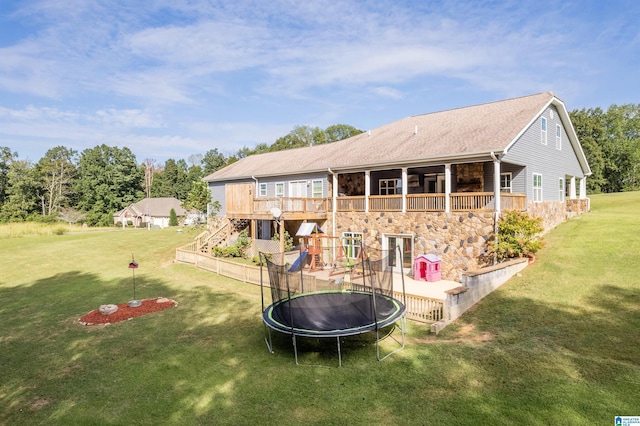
395 320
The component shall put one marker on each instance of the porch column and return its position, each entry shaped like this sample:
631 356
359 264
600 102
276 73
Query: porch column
572 188
404 189
447 187
282 239
334 193
367 189
253 236
496 184
583 188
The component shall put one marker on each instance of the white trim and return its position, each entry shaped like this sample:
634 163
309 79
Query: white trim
313 183
510 174
544 129
276 189
261 186
536 189
558 137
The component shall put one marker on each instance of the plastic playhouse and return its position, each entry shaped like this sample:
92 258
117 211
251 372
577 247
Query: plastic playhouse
426 267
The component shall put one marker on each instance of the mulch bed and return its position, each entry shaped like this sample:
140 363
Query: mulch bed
124 312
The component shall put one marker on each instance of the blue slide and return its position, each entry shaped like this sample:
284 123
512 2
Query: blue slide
299 263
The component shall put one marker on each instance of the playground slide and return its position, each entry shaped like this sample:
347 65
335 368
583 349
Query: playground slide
299 263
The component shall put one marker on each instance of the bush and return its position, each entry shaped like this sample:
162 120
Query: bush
518 236
173 218
288 240
236 250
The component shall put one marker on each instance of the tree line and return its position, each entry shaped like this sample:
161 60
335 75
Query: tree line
92 185
611 142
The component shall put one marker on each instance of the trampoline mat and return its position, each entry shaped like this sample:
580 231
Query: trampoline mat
334 313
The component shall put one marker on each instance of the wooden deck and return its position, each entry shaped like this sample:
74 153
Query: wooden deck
319 208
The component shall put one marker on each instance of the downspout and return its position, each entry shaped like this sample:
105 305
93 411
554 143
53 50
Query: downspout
334 191
496 213
253 224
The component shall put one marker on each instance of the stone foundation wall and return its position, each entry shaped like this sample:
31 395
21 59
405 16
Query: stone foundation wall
459 239
553 213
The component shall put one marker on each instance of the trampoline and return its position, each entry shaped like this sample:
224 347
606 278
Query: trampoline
318 309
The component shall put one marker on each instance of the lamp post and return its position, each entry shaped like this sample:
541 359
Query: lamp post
133 265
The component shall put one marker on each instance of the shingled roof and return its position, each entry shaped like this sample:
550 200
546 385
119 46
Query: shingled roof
460 134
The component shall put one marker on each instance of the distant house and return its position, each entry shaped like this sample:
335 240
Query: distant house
432 183
155 211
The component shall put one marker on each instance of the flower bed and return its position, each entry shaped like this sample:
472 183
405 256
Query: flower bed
125 312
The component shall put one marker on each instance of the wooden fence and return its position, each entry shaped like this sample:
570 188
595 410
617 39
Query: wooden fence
419 308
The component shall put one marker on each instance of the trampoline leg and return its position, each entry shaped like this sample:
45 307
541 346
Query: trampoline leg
295 348
403 325
339 352
267 339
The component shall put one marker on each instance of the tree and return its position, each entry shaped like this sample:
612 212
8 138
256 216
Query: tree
173 218
23 192
150 167
57 171
109 179
6 158
212 161
198 197
338 132
172 181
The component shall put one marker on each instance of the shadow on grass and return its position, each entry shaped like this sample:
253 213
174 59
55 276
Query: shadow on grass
163 364
547 364
205 362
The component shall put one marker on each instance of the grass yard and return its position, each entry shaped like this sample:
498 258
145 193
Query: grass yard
557 345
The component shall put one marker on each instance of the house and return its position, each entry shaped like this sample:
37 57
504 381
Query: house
149 211
433 183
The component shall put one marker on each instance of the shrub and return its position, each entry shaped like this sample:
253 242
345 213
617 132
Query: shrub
173 218
518 236
288 240
236 250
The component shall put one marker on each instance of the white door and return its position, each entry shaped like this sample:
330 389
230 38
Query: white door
298 189
402 248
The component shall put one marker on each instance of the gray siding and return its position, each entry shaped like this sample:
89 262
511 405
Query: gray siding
546 160
309 178
518 176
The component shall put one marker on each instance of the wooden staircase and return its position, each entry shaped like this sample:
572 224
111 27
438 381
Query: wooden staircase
207 240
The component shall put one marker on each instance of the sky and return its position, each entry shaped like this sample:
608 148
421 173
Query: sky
170 79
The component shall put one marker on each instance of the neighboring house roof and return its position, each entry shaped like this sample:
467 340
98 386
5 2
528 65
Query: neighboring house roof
156 207
462 134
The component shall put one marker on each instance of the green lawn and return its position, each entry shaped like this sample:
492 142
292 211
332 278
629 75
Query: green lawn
558 345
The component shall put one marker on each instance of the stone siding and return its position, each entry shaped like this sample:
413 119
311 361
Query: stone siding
553 213
459 239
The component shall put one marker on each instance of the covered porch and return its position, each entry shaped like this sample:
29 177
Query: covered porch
479 186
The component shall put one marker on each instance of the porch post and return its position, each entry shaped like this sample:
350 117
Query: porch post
572 189
253 236
496 184
367 189
447 187
583 188
404 189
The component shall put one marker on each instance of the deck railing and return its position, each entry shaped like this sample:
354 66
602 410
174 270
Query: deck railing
461 201
425 202
291 204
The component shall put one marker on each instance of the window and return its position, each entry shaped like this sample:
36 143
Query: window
316 189
561 188
537 187
262 190
505 182
351 243
280 189
390 186
544 130
558 137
